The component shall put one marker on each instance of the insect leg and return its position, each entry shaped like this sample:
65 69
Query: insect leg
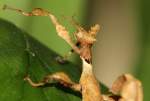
61 30
58 77
63 33
34 12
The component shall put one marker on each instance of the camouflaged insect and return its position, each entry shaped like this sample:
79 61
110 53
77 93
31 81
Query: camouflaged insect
125 88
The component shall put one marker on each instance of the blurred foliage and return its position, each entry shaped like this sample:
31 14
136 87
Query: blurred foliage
143 70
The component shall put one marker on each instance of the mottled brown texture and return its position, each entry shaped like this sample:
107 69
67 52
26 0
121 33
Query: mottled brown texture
125 88
89 84
118 84
129 88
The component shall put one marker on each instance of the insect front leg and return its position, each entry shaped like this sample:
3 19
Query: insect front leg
34 12
61 30
59 77
63 33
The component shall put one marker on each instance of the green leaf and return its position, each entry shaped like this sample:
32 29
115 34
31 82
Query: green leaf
20 54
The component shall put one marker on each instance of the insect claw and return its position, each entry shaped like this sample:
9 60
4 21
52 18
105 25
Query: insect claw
26 77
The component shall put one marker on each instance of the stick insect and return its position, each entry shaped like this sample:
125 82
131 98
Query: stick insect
125 88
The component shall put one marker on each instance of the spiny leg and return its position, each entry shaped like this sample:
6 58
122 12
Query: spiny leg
61 30
59 77
63 33
34 12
